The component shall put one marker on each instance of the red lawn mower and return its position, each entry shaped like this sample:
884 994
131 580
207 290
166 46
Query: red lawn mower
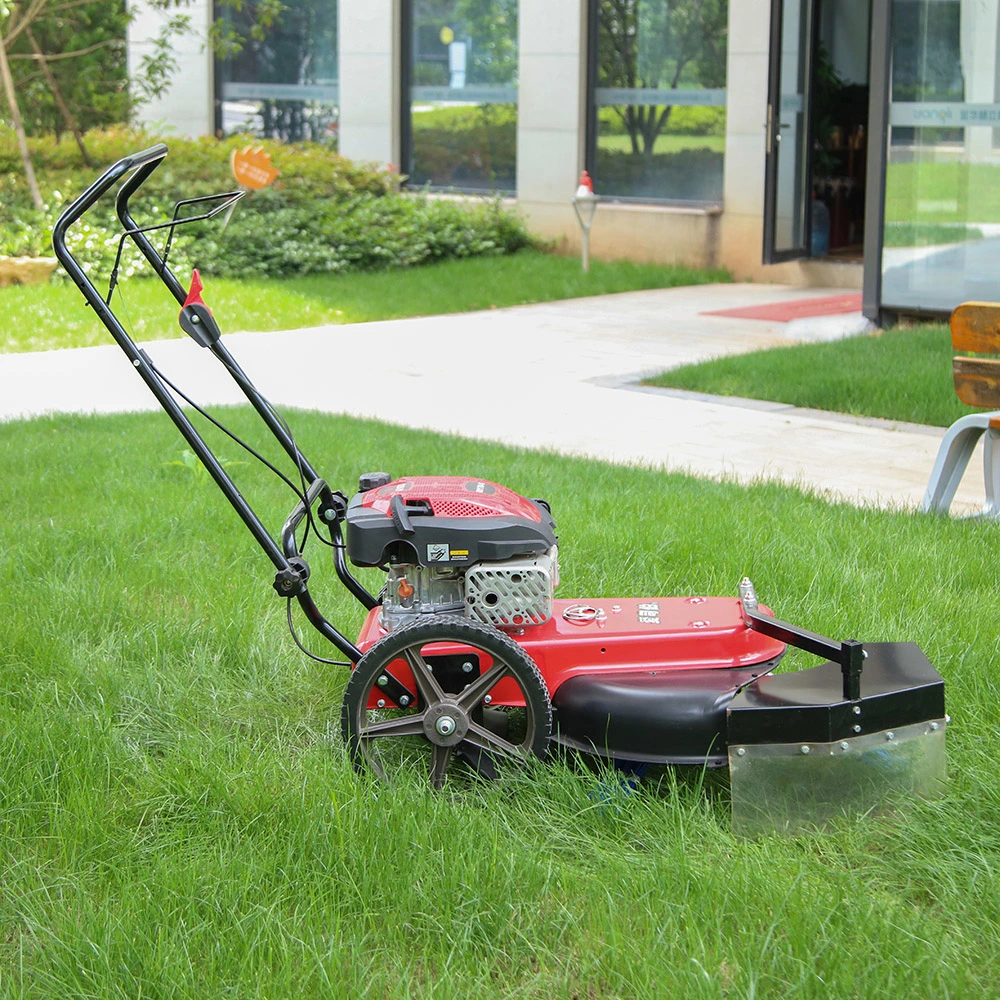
467 660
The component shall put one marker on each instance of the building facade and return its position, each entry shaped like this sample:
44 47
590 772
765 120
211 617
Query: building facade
836 142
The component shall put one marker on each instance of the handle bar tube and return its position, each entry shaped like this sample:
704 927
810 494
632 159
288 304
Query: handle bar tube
228 361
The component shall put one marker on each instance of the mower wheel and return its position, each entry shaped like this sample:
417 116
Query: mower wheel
408 704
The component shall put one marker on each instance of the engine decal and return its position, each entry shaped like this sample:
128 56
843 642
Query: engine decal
438 552
649 614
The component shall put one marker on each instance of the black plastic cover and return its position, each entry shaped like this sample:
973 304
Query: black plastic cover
374 538
898 687
692 716
663 716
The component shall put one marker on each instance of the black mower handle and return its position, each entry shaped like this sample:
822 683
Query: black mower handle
291 576
147 159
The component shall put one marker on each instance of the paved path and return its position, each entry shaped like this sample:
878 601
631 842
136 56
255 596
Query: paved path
557 376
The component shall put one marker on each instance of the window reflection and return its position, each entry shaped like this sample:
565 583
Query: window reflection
658 114
463 94
284 85
942 213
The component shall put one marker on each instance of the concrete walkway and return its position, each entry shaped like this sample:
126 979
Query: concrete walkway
558 376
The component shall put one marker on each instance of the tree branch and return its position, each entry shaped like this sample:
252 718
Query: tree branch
68 55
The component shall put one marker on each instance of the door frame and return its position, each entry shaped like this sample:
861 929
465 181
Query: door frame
772 142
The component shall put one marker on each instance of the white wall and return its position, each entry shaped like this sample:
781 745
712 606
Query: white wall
187 108
551 124
369 80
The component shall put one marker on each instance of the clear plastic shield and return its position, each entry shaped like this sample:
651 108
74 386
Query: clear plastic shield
793 788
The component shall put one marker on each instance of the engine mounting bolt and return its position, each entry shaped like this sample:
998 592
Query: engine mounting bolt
404 700
857 709
741 752
468 667
804 749
890 736
845 745
382 681
934 727
857 729
488 699
381 703
445 725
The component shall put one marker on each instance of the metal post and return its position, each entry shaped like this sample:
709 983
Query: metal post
880 94
585 205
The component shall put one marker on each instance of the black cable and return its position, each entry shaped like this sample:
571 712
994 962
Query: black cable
298 459
225 430
319 659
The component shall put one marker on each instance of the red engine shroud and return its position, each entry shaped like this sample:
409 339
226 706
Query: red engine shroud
453 496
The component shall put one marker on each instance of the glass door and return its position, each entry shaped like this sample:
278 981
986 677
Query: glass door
787 194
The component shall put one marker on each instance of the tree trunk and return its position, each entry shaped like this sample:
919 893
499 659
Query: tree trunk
57 94
15 112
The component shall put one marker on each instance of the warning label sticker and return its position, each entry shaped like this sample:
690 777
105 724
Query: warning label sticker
437 552
649 614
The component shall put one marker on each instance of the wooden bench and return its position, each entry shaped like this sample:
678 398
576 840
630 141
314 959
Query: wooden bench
975 329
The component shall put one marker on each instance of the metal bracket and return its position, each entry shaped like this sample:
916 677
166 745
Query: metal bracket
850 654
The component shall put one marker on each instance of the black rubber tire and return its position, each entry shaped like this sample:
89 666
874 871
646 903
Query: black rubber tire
507 660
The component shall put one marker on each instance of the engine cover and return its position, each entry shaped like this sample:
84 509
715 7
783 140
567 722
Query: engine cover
445 521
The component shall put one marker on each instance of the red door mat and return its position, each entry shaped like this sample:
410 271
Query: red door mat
784 312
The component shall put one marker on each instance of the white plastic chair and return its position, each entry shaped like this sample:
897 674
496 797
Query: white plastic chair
953 456
975 327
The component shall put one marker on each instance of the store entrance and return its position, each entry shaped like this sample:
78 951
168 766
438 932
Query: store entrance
817 129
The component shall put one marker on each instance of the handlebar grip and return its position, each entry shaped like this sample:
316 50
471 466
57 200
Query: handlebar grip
148 159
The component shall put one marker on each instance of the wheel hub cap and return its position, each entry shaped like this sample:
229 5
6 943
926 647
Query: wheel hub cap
445 724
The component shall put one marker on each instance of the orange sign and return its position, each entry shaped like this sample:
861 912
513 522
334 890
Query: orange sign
252 167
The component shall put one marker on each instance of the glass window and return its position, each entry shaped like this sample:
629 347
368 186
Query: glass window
283 85
658 113
942 212
460 126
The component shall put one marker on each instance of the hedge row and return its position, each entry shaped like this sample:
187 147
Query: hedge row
323 213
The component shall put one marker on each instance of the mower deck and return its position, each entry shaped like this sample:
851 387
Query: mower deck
645 679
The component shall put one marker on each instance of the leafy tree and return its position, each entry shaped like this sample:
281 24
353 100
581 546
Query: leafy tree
63 62
652 44
493 27
63 67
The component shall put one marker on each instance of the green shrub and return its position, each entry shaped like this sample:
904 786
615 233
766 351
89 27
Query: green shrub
323 213
367 233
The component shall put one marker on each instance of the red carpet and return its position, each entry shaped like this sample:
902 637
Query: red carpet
783 312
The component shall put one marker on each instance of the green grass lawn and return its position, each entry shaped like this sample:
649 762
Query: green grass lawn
901 374
178 818
44 317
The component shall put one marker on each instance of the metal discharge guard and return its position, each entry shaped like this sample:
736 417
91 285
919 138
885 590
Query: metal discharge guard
800 754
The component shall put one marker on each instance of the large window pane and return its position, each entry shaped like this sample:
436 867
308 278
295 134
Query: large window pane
659 99
284 85
463 94
942 216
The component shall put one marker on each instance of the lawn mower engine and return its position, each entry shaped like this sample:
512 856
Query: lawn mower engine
455 546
